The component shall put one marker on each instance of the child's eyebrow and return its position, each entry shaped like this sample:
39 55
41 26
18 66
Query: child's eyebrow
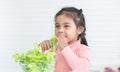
66 23
56 23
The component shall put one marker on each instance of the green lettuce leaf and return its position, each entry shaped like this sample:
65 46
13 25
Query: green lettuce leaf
34 60
54 42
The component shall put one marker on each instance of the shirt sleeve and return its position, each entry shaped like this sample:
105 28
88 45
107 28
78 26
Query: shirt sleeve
80 61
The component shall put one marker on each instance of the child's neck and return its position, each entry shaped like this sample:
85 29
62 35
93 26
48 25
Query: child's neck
72 42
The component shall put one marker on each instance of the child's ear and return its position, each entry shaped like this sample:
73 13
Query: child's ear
80 29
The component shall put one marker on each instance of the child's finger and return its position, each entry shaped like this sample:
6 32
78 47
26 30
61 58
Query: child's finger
43 46
47 44
50 50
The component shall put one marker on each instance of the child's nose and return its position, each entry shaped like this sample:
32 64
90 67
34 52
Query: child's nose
61 30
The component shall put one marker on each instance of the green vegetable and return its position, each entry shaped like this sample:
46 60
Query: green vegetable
54 42
35 61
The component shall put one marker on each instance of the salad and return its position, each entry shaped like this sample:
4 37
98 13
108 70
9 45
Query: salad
37 61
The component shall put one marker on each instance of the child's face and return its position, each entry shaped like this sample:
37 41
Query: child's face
65 25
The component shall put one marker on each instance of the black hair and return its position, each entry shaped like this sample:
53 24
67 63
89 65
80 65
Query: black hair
78 18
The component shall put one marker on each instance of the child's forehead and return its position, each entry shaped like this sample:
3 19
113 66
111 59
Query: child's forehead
63 18
69 14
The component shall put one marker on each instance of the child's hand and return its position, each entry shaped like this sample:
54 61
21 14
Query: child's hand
45 45
62 42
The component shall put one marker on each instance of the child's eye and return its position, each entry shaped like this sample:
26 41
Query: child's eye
67 26
57 26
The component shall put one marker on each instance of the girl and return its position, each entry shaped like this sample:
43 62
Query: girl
71 54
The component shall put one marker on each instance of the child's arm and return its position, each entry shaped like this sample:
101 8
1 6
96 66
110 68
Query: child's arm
81 61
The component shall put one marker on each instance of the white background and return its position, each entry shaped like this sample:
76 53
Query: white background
25 22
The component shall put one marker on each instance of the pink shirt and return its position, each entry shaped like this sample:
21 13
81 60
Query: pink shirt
74 57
